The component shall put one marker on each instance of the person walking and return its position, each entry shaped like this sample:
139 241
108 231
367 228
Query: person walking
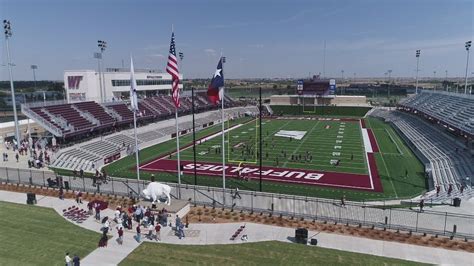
158 229
97 212
177 222
139 233
120 236
343 201
76 261
181 231
422 204
237 194
68 259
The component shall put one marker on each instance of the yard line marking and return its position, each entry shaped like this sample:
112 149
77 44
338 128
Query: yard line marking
302 142
393 140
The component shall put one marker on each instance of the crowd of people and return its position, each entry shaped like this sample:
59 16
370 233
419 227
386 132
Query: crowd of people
38 155
143 220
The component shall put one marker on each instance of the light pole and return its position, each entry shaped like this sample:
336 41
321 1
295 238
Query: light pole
8 35
468 45
342 78
34 67
102 45
446 79
434 80
181 57
98 56
388 87
418 52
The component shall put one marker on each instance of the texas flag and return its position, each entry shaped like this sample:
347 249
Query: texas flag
215 90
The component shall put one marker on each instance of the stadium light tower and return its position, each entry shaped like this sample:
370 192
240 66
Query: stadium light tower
467 45
102 45
34 67
418 52
446 79
388 87
8 34
181 57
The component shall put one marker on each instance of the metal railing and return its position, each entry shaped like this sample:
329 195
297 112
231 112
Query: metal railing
430 222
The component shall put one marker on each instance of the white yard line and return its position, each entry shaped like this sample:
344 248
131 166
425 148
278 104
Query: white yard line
393 140
303 141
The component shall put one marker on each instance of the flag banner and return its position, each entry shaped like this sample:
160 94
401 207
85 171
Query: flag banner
133 88
173 70
214 92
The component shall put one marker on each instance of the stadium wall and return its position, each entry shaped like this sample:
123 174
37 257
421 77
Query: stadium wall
343 100
320 110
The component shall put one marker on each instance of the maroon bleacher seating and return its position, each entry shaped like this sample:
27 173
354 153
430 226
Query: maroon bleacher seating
96 111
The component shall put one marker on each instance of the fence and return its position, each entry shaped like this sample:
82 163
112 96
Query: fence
430 222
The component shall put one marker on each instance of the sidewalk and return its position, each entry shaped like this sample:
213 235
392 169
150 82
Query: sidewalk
206 234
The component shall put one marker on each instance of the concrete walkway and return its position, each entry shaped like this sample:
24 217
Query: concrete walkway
205 234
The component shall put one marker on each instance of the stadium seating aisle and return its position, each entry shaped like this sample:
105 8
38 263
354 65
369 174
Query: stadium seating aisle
451 164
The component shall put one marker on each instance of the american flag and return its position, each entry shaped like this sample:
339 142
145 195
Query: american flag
172 69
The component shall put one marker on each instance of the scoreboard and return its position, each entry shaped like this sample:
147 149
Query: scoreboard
316 87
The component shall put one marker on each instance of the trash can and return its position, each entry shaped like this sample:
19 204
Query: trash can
456 202
30 198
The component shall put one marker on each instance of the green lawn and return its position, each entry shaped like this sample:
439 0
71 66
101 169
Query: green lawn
262 253
32 235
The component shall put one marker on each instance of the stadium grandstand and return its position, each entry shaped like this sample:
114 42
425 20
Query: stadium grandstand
91 155
75 120
439 127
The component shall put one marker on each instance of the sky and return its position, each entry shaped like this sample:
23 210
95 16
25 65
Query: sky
260 38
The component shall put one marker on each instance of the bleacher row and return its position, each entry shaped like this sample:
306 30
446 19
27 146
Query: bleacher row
455 110
85 156
79 118
450 163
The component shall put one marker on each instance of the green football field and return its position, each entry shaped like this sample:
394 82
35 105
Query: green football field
313 151
393 160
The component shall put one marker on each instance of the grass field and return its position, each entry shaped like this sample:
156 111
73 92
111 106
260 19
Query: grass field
393 154
31 235
315 148
263 253
394 159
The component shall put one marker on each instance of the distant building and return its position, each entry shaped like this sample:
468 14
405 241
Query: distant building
84 85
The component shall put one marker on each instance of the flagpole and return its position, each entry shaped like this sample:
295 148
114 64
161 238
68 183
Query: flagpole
223 147
136 151
134 105
177 149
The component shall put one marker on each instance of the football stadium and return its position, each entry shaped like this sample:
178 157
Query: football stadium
162 164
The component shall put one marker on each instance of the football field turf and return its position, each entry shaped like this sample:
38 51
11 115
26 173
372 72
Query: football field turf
314 150
318 145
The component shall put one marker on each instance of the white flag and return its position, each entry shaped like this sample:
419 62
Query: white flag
133 88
